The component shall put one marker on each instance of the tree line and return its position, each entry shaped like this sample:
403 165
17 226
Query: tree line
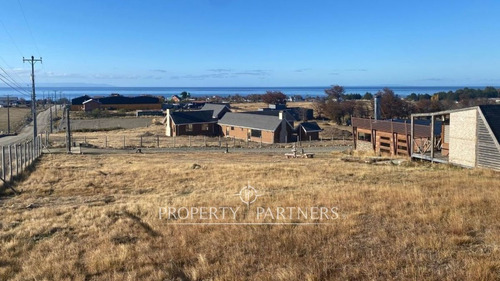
340 107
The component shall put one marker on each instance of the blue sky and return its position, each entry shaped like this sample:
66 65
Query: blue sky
253 43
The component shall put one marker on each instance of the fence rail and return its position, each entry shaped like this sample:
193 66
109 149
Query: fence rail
17 157
120 142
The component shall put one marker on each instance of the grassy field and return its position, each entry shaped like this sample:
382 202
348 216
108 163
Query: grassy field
96 217
341 134
252 106
18 116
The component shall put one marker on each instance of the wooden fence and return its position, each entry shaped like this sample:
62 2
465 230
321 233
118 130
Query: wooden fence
17 157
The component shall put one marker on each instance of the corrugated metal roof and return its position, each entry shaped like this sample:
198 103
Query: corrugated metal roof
250 120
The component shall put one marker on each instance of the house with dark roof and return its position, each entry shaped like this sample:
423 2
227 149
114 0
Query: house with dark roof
308 131
200 122
116 101
286 114
468 137
218 109
175 98
298 113
77 103
256 127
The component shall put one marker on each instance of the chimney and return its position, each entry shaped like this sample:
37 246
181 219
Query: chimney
280 115
376 107
168 130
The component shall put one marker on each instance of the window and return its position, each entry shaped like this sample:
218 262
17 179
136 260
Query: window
232 128
256 133
204 127
364 137
189 128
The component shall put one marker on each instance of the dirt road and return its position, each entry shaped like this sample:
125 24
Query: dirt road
43 122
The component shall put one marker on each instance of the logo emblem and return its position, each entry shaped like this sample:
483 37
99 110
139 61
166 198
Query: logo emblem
248 194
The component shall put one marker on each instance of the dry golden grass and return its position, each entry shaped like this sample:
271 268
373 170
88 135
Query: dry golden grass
18 116
251 106
84 217
156 133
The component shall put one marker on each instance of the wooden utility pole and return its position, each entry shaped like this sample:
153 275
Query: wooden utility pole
55 101
68 131
50 110
33 96
8 115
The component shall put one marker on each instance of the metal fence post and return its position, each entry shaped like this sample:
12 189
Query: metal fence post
123 141
105 141
140 143
158 141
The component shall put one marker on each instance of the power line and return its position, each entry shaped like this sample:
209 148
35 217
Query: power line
11 38
24 82
6 81
12 80
29 29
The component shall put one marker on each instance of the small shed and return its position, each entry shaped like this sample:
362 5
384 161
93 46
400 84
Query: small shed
308 131
90 105
469 137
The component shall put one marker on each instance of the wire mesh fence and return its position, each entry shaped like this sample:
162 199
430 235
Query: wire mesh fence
17 157
157 141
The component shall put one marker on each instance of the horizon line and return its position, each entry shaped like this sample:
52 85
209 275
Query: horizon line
215 87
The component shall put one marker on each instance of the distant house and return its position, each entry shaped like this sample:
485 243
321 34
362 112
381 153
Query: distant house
298 113
218 109
77 103
175 98
199 122
278 106
90 105
256 127
308 131
9 101
116 101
